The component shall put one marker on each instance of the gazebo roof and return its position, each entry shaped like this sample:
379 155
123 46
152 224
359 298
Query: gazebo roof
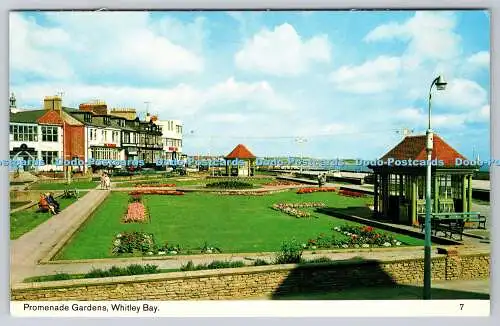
413 148
240 151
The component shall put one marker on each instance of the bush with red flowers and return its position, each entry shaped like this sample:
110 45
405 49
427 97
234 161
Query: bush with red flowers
351 193
311 190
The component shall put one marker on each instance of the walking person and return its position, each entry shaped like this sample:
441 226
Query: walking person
103 182
107 182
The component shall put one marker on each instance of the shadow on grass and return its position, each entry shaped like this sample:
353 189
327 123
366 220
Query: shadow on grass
356 279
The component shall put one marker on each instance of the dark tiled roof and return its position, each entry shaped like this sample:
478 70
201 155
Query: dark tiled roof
27 116
413 147
240 151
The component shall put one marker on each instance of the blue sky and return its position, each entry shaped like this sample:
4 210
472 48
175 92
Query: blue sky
347 82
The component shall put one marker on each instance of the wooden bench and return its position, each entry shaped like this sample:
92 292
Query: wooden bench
448 223
475 217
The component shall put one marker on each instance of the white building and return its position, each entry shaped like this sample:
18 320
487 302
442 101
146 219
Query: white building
171 137
36 137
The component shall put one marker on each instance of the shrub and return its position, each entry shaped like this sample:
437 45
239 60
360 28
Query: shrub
134 269
216 264
318 260
136 198
291 253
130 242
188 267
260 262
230 185
61 277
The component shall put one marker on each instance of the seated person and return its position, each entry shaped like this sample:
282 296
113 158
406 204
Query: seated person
44 205
52 201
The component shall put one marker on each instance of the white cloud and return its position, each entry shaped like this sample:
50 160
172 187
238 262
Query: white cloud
33 49
282 52
480 59
181 100
100 44
461 94
374 76
480 115
430 35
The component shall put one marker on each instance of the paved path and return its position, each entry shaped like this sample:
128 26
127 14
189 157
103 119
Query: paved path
35 245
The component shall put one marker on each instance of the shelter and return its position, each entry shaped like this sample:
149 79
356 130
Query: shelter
240 162
400 189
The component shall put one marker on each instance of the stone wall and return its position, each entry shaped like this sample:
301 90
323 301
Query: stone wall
257 281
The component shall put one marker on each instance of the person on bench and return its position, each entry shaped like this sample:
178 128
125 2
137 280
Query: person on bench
52 201
44 205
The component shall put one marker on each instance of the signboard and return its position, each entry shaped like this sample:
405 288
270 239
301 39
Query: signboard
173 149
110 145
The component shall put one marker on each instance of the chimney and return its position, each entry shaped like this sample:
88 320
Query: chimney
97 107
52 103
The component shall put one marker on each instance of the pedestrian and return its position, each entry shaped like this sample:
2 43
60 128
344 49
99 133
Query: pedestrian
321 179
107 182
103 175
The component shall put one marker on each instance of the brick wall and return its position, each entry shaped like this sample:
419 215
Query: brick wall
256 281
74 144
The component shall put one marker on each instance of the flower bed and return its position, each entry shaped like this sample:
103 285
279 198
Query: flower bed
311 190
156 192
132 242
230 185
354 237
291 208
136 213
351 193
243 193
160 185
282 183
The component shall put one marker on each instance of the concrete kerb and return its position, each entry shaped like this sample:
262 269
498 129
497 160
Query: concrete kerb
73 229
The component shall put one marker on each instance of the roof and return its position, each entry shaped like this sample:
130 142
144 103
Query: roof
413 148
240 151
51 118
27 116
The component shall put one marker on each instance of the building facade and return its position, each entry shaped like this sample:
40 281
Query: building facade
171 138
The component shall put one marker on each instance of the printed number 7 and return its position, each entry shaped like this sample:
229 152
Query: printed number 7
461 306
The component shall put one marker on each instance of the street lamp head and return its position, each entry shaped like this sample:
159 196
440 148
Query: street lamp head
441 83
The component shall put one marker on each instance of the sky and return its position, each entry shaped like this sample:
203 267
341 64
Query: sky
324 84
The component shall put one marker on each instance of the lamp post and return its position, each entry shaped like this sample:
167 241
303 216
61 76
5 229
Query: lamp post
440 85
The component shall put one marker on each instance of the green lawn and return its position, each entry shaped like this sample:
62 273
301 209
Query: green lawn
28 219
232 223
63 185
17 204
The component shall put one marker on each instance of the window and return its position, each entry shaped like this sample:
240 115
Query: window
48 157
49 133
126 138
25 133
113 135
87 117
